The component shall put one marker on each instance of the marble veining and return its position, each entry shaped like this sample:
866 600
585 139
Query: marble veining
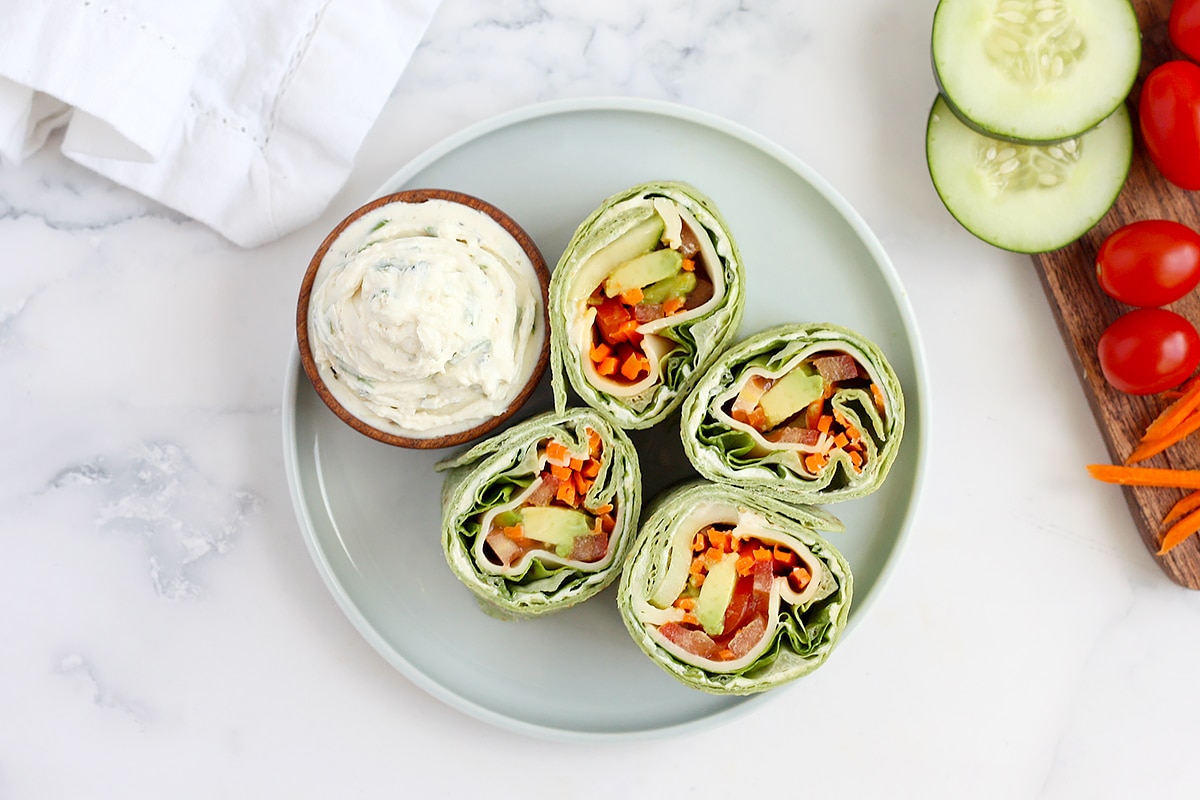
157 495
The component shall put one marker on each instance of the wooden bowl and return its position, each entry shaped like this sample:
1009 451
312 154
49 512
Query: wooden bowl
475 429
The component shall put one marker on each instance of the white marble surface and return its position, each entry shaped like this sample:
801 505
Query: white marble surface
164 633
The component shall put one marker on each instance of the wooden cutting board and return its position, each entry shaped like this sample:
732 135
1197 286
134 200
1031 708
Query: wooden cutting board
1083 312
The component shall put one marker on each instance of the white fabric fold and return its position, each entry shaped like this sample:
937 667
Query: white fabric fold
243 114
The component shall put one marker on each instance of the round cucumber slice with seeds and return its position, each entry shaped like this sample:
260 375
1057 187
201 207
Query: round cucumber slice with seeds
1035 70
1027 198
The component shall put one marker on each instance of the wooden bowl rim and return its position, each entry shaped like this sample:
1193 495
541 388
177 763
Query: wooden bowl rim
450 439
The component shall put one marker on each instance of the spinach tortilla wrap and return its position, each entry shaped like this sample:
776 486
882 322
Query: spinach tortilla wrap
647 292
810 413
539 517
734 594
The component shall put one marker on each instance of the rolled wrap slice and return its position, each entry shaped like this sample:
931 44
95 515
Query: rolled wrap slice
539 517
734 594
647 292
810 413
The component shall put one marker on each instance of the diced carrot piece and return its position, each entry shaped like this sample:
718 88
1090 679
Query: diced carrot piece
713 555
628 329
561 472
841 440
576 463
697 565
686 603
608 523
740 415
514 532
607 367
566 493
824 423
784 556
595 443
757 419
631 297
719 539
599 352
690 619
744 565
591 468
762 554
813 462
725 654
582 484
857 460
632 366
602 510
689 265
672 305
699 543
697 579
853 432
799 578
557 452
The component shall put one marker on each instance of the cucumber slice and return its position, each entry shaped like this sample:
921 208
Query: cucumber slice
1027 198
1035 70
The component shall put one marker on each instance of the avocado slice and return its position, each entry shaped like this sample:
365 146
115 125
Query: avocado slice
640 239
789 394
643 271
715 594
680 284
555 526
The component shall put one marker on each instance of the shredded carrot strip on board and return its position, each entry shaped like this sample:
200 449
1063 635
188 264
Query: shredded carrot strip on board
1178 532
1145 476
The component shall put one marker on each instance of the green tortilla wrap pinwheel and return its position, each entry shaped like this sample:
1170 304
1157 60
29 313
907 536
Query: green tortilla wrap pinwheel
539 517
808 413
648 291
734 594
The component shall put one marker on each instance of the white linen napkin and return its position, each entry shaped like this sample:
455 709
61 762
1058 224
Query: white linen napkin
243 114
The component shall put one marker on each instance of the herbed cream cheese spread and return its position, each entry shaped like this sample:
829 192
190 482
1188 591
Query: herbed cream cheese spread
425 318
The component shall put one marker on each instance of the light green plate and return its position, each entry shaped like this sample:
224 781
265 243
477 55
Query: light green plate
369 512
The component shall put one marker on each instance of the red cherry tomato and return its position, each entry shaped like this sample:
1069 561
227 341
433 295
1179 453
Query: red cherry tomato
1152 262
1148 350
1184 27
1169 117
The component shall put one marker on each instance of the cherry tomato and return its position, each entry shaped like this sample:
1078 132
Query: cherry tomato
1148 350
1152 262
1169 117
1184 27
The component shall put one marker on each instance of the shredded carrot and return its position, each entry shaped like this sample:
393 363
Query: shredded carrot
595 443
608 366
1178 532
744 565
689 265
1177 412
1145 476
877 394
1189 502
599 352
672 305
1151 447
631 297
